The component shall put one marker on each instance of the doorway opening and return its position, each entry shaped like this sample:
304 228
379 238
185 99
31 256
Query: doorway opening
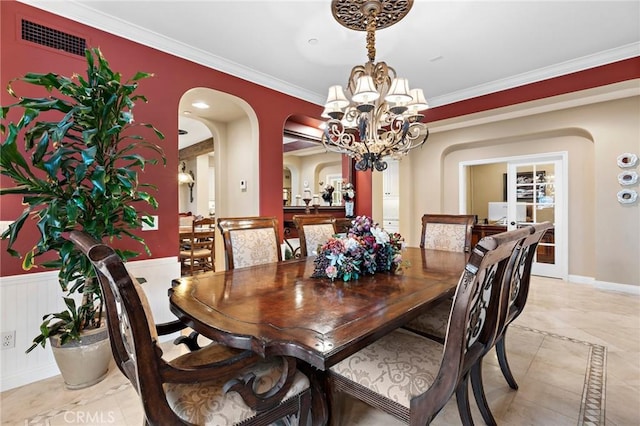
504 193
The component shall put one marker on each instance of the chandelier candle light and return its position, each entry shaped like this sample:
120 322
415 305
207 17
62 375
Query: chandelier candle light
383 118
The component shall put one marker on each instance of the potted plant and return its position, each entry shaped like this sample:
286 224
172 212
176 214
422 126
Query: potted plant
81 174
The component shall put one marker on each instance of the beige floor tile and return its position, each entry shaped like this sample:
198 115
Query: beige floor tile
548 348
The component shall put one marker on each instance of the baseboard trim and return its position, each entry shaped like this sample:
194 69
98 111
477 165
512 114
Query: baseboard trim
604 285
10 381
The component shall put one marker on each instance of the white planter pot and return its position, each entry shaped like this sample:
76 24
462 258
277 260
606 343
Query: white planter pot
83 362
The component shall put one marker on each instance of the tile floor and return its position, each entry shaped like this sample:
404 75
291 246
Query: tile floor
575 352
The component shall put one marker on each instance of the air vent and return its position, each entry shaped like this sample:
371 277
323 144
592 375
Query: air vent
55 39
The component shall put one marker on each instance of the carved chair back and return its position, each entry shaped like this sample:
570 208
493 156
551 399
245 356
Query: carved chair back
425 374
478 306
207 385
132 331
521 272
250 241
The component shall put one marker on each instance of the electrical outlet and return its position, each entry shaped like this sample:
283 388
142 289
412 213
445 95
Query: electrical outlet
8 339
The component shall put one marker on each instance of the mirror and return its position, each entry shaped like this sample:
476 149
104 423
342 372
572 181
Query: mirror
308 164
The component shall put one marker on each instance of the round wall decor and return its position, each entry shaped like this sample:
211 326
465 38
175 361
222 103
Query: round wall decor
628 178
627 160
627 196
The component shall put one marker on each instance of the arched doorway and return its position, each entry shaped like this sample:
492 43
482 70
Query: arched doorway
230 157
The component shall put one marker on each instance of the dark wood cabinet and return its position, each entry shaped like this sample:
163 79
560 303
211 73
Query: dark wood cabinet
290 229
546 248
480 231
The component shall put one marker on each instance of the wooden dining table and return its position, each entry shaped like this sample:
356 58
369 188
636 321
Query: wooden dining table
279 309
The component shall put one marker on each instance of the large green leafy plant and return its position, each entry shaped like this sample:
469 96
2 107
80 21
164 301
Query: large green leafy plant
82 173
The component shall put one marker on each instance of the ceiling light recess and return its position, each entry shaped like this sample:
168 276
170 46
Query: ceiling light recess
200 105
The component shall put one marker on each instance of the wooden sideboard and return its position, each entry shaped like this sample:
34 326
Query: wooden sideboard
288 213
545 253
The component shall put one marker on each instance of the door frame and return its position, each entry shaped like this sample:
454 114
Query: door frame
562 206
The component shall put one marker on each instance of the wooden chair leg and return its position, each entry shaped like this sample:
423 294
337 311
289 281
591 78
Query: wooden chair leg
462 398
479 395
191 341
504 364
304 411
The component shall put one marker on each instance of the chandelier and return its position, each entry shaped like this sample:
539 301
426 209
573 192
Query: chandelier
382 119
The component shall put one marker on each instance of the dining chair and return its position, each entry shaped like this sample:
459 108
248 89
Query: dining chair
343 224
197 247
250 241
412 377
313 230
214 385
449 232
518 289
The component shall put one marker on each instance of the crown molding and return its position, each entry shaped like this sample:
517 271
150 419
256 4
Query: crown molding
625 89
579 64
80 12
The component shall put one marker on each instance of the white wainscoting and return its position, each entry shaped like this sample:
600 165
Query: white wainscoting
25 299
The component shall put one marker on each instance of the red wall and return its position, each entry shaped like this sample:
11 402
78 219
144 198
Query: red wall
173 77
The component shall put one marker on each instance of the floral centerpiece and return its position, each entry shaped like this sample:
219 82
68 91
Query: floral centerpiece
366 249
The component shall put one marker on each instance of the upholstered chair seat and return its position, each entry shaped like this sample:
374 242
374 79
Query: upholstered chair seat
433 324
208 403
399 366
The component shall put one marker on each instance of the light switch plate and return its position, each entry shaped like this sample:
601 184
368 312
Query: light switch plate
154 227
4 225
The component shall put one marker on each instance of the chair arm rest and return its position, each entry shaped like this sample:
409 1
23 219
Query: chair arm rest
272 397
212 362
169 327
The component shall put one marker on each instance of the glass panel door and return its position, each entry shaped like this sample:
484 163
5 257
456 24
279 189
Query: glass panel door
533 196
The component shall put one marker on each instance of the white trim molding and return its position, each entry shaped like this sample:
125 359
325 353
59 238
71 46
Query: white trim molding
24 299
604 285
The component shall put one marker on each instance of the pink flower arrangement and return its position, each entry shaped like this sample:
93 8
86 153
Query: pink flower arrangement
366 249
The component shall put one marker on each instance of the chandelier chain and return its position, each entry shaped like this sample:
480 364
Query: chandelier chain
371 36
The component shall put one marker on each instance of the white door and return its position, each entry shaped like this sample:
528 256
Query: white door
535 193
391 197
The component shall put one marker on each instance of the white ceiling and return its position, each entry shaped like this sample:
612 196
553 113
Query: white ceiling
453 50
